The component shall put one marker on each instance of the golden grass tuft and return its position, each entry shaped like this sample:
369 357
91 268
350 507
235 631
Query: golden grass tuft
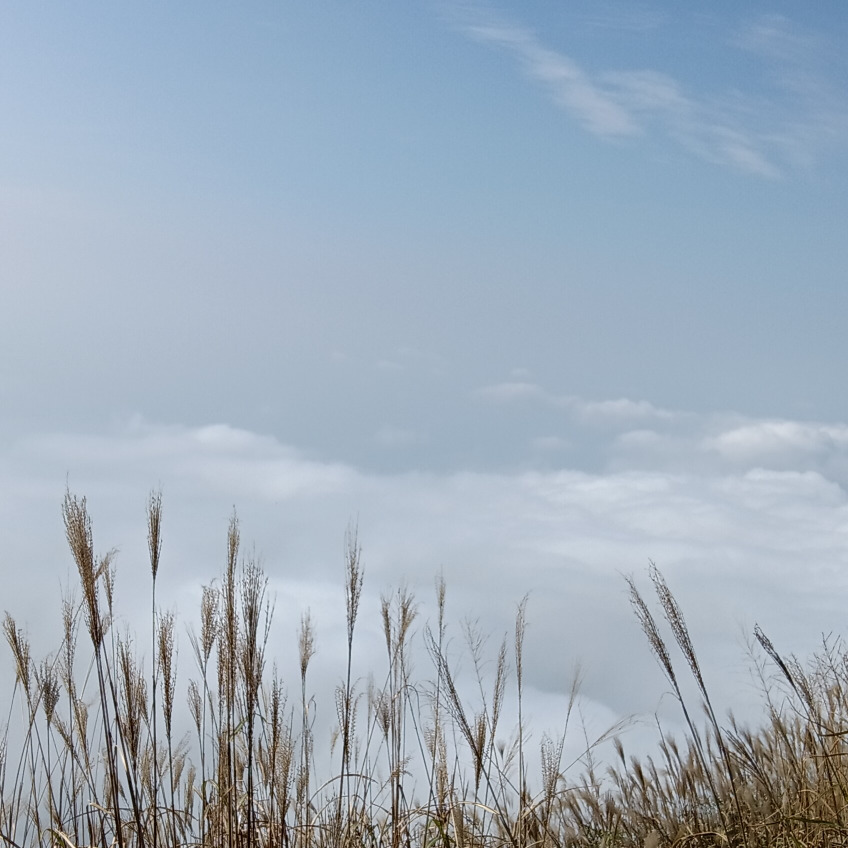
415 763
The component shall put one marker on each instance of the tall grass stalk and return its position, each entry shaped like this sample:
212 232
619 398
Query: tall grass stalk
345 706
154 547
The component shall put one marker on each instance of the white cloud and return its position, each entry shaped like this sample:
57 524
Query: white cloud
764 438
785 445
636 435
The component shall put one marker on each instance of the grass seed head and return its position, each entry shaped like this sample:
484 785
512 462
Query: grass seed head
154 530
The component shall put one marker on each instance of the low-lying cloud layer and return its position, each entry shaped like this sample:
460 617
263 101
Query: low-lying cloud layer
746 518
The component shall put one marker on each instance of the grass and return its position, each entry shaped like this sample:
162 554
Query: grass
91 754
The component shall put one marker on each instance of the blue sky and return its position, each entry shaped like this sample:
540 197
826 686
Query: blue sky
619 201
449 265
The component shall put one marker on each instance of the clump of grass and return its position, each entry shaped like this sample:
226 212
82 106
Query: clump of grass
96 757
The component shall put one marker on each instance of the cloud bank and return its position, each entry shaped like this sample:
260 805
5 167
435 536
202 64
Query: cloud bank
747 519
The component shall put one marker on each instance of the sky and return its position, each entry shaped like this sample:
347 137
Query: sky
534 294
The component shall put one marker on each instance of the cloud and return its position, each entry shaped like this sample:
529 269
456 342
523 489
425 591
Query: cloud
622 435
550 443
746 518
389 436
629 17
568 84
763 439
621 409
405 358
648 91
776 37
805 446
512 392
761 135
806 72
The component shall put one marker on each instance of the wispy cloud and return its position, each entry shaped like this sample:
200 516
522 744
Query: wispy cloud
511 391
808 109
775 37
570 86
762 135
621 409
625 17
389 436
550 443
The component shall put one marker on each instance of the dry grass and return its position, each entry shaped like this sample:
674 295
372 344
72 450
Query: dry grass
91 755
